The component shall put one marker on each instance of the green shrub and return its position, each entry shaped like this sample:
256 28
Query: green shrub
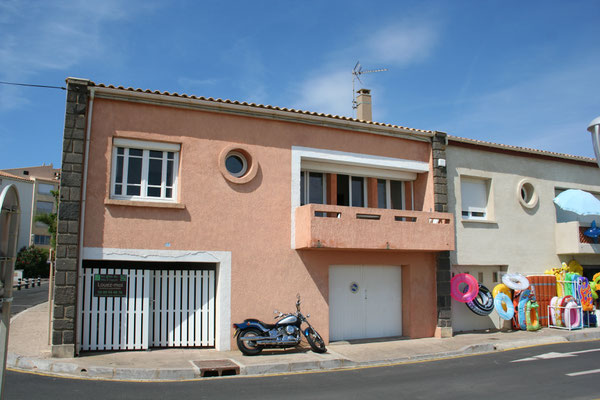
33 261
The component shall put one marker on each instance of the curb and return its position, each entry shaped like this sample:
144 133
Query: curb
74 370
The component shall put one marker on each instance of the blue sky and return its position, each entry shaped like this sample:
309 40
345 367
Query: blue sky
524 73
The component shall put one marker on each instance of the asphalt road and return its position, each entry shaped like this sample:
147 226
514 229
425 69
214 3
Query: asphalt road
25 298
561 371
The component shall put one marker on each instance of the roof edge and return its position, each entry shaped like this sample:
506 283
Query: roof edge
257 110
517 149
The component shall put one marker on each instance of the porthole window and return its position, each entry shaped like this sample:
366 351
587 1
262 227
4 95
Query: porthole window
527 194
236 164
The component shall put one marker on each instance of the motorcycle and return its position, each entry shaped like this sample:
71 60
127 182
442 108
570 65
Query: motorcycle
253 335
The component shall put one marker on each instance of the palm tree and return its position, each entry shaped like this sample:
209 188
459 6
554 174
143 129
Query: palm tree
50 220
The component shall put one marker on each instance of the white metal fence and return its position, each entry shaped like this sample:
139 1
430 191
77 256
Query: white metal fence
161 308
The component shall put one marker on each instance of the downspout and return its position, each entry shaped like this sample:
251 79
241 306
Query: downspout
82 219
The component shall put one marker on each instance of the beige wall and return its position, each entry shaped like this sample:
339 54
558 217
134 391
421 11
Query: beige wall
252 220
520 238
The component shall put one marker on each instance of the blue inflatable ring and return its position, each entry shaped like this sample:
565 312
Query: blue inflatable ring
502 300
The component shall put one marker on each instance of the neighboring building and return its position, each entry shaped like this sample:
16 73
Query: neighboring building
44 179
506 221
215 211
24 188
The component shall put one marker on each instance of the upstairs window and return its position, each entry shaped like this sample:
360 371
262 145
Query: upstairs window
144 170
390 194
313 188
474 193
351 191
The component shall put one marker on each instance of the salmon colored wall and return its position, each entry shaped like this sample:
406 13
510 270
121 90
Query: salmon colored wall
252 220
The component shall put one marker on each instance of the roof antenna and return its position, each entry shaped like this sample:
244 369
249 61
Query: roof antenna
356 73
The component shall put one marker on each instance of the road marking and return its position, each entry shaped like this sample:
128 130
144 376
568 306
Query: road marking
552 355
589 372
546 356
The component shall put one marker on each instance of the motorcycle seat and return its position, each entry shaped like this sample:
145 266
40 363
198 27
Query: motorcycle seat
267 326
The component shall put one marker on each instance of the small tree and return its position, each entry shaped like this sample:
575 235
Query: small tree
33 261
50 220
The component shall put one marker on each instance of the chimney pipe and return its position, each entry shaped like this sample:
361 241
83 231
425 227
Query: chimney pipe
363 105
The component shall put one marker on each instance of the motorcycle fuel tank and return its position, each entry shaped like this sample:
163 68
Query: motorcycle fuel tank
290 319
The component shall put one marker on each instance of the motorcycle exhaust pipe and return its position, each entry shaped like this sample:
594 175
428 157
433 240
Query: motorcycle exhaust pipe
267 342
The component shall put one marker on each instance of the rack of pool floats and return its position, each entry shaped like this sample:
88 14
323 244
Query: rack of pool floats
561 298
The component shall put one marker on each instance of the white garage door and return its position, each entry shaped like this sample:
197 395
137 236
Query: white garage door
365 301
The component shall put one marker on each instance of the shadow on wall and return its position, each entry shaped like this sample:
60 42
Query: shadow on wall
250 186
149 213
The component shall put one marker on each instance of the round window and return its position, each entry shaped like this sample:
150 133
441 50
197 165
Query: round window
236 164
527 194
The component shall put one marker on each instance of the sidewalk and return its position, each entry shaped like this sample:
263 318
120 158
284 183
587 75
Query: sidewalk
29 350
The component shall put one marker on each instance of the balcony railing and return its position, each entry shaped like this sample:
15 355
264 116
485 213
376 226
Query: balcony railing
571 240
339 227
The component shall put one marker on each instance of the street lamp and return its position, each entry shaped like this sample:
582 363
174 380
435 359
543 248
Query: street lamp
594 129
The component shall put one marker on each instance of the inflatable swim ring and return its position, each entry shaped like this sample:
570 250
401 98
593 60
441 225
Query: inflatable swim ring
501 288
531 313
575 267
504 306
470 291
483 303
515 281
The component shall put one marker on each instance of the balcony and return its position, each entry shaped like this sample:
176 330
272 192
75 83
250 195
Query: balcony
339 227
571 240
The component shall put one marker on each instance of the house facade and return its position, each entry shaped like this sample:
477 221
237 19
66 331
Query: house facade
181 215
506 221
42 180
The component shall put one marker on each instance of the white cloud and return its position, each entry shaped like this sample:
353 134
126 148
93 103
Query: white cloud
328 93
402 44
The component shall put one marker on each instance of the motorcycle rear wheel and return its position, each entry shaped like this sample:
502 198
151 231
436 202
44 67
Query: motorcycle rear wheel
249 347
317 344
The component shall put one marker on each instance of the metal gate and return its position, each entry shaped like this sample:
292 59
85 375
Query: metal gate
158 308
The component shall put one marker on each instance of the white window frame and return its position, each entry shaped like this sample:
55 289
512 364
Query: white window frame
388 193
470 210
306 194
146 147
45 185
365 190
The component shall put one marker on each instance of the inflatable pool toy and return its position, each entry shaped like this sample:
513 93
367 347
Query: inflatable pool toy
501 288
555 311
545 288
515 281
585 294
575 267
469 293
521 309
483 303
504 306
571 314
531 316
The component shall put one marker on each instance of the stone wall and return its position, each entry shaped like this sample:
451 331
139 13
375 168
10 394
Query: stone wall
69 215
443 274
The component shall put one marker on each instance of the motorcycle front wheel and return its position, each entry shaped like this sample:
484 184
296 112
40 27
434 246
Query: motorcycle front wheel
317 344
249 347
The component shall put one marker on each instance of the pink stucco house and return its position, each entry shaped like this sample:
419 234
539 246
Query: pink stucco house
180 215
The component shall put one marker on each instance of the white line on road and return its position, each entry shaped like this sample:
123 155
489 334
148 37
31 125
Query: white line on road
591 371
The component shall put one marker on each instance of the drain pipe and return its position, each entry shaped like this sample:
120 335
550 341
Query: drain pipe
82 220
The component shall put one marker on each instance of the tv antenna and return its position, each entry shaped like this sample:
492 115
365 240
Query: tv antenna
356 73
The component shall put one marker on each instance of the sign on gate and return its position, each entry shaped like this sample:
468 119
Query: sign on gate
110 285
